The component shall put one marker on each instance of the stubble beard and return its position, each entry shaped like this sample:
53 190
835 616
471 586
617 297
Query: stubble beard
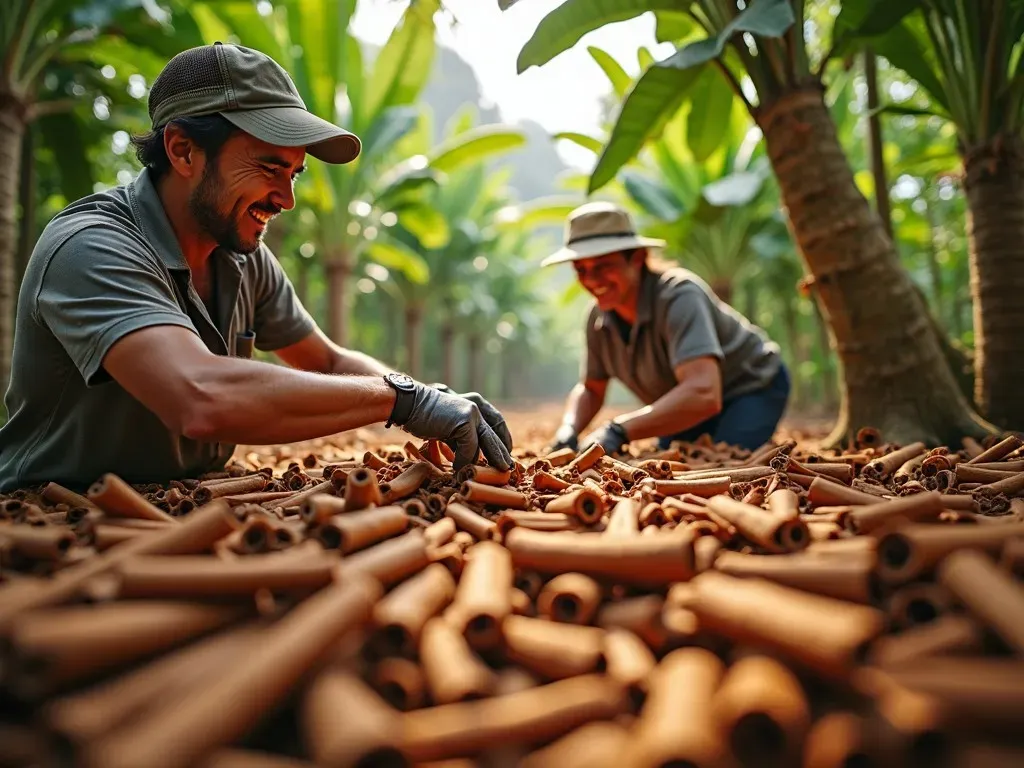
223 228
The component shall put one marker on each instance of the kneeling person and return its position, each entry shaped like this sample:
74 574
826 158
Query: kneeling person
694 361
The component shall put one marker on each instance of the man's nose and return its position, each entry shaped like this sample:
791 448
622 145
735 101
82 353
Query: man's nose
284 196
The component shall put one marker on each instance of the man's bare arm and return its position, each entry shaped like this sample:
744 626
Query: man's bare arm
584 403
226 399
697 397
318 353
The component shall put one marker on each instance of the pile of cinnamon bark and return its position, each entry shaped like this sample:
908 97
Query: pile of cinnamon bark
702 606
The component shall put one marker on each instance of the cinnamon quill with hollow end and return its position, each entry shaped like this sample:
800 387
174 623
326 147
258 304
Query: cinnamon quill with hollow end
553 650
483 596
352 531
585 504
186 729
988 592
401 615
676 725
773 532
370 733
452 671
478 526
390 561
362 490
569 597
844 578
820 633
914 550
479 493
916 508
118 499
406 483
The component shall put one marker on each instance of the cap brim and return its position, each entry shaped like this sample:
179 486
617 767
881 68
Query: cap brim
297 127
599 246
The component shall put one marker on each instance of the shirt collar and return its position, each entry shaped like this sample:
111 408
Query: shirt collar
153 221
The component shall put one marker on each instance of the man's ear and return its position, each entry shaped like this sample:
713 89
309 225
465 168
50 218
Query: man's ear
181 151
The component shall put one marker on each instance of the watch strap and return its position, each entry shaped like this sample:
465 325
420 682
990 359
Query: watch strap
405 398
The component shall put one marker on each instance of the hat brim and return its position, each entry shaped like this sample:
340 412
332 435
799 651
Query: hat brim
297 127
599 246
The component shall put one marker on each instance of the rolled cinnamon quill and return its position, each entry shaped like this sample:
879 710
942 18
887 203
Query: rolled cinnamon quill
352 531
406 483
452 671
118 499
401 615
820 633
585 504
362 490
544 481
440 532
913 550
236 485
478 526
947 635
881 468
536 521
485 475
533 715
705 487
773 532
916 604
676 725
198 575
38 543
916 508
570 597
838 740
595 745
552 649
478 493
400 682
642 560
482 598
628 660
842 578
390 561
823 492
624 520
370 733
993 596
195 534
762 711
53 647
214 715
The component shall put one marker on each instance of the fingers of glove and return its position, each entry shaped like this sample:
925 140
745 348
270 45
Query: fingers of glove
494 451
493 417
467 444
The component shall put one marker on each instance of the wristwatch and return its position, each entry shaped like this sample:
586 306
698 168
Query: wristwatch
405 389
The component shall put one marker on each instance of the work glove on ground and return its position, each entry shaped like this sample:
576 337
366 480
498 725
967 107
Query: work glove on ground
611 436
566 437
432 414
490 414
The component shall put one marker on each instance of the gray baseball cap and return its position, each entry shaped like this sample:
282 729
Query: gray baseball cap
253 92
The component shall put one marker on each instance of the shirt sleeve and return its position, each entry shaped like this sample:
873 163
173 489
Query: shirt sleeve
98 287
593 368
690 327
280 320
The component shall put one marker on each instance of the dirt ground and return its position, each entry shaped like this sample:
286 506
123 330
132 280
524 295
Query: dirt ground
532 426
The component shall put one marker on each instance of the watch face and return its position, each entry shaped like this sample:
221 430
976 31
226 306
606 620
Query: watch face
402 381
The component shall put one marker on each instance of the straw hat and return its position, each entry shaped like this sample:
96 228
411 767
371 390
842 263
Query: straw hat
595 229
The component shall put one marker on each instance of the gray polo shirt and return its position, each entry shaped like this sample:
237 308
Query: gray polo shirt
679 318
105 266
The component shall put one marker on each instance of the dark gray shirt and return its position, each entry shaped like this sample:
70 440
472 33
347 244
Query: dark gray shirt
105 266
679 318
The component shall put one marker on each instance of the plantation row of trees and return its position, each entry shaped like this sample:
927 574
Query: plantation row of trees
848 174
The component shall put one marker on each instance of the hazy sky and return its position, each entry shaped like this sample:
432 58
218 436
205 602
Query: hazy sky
563 95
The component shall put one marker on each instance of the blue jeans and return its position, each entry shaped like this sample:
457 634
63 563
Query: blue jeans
748 421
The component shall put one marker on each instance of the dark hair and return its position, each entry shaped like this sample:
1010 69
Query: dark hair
209 132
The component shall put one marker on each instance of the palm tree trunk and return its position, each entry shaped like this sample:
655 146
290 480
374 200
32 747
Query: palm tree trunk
829 386
474 346
448 351
795 345
994 183
875 143
338 268
895 376
12 131
413 345
27 201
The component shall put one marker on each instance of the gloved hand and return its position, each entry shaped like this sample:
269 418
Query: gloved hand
490 414
429 413
611 436
566 437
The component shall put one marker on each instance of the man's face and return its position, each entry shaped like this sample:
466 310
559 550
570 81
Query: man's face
248 183
613 279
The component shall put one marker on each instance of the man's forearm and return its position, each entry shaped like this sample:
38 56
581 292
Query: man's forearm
582 406
682 407
244 401
349 361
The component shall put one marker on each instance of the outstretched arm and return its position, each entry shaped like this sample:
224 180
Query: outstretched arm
318 353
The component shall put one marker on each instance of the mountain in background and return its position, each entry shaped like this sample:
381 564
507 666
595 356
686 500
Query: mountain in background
452 85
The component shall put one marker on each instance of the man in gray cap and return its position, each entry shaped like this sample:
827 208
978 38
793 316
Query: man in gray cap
141 305
695 362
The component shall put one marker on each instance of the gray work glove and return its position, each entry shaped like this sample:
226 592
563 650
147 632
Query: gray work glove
566 437
431 414
611 436
490 414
